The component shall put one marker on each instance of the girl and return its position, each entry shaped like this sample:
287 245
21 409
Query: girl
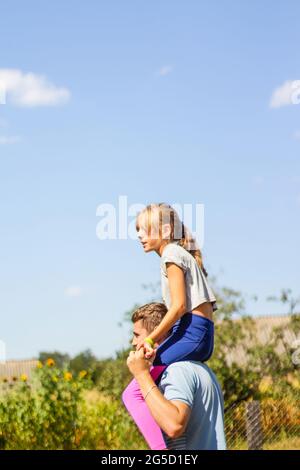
190 302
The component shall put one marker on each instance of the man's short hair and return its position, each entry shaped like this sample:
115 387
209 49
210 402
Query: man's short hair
151 315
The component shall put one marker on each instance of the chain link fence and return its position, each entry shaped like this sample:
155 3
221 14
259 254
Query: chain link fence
271 424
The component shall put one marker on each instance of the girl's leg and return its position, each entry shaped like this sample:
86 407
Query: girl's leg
192 339
138 409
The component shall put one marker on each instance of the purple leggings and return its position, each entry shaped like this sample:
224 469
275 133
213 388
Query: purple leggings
138 409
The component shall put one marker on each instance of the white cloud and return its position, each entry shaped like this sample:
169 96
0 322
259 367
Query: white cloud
286 94
2 94
165 70
6 140
73 291
29 89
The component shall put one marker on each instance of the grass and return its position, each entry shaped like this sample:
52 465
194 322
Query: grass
288 443
291 443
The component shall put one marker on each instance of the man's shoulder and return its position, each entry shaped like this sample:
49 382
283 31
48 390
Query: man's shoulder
188 365
190 369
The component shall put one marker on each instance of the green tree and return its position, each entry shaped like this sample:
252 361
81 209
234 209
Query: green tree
85 360
286 297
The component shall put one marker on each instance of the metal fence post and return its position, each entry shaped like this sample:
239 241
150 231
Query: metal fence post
254 426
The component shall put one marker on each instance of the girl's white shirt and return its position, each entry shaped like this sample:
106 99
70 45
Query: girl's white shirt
197 288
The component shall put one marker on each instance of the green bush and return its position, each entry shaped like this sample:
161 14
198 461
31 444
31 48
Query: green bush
54 411
43 414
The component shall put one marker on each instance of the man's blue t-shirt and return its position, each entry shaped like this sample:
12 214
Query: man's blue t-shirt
194 384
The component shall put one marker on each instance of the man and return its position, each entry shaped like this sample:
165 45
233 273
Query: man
188 403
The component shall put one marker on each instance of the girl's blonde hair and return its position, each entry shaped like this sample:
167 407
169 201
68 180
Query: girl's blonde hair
158 214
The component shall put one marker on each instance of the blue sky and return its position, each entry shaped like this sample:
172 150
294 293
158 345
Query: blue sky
158 101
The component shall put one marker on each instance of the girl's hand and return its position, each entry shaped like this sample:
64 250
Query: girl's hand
149 352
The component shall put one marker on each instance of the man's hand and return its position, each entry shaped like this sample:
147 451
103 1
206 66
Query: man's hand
137 363
171 416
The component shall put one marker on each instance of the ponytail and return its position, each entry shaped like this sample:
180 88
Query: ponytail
189 243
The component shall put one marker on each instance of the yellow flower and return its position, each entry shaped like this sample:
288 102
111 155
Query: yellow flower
24 378
265 384
293 381
82 374
68 376
39 365
54 378
5 380
50 362
53 397
296 384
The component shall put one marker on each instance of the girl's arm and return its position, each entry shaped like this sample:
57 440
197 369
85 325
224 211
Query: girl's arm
178 302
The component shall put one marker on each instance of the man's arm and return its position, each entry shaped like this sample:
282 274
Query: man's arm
171 416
